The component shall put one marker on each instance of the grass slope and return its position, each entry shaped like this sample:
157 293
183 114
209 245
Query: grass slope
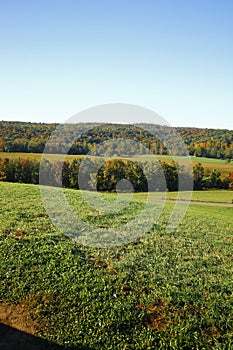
164 291
212 196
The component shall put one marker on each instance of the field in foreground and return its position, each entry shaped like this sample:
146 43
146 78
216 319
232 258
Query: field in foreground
163 291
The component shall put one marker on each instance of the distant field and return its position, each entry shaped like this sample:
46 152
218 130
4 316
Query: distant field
217 196
37 156
207 163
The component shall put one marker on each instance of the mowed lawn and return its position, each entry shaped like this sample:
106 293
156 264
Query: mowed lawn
166 290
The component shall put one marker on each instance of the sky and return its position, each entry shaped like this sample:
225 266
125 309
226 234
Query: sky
175 57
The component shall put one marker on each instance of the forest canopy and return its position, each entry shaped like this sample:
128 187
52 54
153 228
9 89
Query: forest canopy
32 137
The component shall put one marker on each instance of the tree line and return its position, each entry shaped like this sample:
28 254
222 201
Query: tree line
32 138
106 176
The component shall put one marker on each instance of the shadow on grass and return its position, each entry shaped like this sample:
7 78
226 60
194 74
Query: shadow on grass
13 339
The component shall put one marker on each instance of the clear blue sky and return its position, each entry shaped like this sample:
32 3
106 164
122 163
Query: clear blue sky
58 57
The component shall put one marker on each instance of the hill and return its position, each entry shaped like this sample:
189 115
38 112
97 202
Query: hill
32 137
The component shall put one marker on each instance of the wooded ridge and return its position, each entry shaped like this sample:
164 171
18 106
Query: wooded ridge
32 137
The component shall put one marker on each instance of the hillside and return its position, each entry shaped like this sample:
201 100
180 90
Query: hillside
32 137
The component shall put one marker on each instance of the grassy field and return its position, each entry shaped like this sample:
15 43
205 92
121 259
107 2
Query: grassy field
163 291
217 196
213 196
207 163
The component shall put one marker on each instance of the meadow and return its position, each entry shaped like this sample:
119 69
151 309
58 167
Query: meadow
163 291
209 196
208 163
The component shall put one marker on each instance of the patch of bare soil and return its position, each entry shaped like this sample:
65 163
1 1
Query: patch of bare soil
17 316
17 329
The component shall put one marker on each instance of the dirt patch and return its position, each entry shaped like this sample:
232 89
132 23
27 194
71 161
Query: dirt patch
17 316
156 314
20 234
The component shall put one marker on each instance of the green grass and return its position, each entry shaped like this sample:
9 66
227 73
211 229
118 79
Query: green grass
163 291
212 196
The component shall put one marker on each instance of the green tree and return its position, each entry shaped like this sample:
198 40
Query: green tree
198 174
